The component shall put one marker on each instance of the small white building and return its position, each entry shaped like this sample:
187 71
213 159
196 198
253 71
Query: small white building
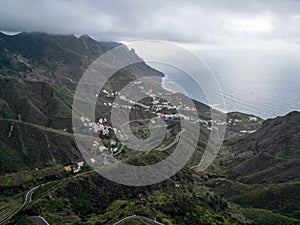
252 119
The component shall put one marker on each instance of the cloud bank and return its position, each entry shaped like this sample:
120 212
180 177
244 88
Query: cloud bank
214 22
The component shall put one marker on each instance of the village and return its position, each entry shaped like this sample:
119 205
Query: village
75 168
160 109
164 110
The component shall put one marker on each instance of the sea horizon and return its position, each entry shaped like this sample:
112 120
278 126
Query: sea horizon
256 82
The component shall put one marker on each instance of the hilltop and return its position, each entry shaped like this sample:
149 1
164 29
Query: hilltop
59 59
279 137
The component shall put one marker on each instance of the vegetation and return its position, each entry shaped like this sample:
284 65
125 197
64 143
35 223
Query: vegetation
266 217
9 204
255 179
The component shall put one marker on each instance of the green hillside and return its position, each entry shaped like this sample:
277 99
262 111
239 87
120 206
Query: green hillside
254 179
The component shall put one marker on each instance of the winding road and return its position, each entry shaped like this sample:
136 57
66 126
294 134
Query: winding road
28 199
172 143
145 219
39 220
163 148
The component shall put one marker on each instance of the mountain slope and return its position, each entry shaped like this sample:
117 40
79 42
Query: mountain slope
279 137
273 152
27 147
43 56
39 73
263 171
36 102
61 59
91 199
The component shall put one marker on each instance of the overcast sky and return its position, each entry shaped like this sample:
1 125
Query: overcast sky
195 23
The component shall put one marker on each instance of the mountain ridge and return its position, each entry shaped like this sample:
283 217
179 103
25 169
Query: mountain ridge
279 136
60 59
36 104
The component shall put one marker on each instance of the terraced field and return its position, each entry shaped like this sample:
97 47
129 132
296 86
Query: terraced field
9 205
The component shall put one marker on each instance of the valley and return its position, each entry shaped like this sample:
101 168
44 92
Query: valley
253 180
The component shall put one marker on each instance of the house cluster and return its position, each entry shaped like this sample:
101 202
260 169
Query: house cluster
131 102
157 107
96 127
212 124
110 94
101 127
75 168
164 110
105 153
161 109
234 122
112 149
252 119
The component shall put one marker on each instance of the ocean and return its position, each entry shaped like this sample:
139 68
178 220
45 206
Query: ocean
262 83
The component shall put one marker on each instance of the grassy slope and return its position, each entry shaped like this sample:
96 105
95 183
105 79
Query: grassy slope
9 205
90 199
26 146
35 102
267 182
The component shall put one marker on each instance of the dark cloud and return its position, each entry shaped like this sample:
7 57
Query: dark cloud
197 21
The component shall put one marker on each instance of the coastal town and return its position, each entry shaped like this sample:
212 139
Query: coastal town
156 106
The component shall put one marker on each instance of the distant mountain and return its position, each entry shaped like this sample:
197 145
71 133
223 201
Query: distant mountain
39 73
61 59
271 154
278 137
43 56
262 170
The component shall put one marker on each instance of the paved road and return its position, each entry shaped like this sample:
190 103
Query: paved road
145 219
169 145
39 220
172 143
28 199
